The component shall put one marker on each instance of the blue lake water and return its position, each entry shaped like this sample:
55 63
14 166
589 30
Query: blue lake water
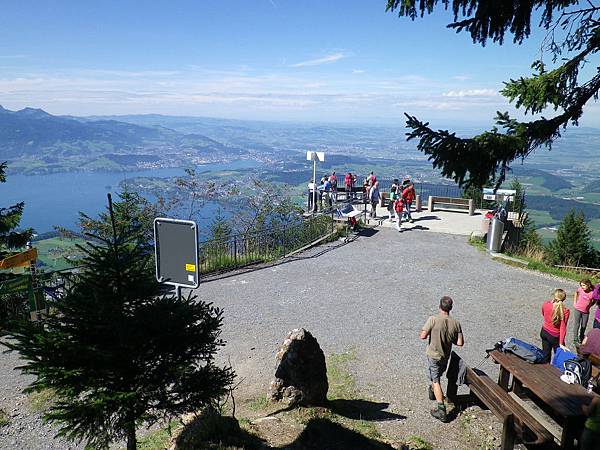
56 199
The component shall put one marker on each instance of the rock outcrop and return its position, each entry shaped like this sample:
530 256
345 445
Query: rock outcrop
301 373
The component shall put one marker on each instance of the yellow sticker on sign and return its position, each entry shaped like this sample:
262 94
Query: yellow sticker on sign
190 267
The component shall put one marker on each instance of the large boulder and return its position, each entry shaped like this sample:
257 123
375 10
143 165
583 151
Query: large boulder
301 373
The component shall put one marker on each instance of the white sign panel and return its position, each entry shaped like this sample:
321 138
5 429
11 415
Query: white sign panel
499 195
315 156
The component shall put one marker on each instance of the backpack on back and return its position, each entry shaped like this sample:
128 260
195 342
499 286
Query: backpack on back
523 350
578 370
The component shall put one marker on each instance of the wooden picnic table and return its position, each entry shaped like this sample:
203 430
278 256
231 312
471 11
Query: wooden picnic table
542 384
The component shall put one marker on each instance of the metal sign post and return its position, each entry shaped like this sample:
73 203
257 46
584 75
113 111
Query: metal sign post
176 252
314 157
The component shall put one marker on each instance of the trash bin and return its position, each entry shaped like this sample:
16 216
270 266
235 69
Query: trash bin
494 237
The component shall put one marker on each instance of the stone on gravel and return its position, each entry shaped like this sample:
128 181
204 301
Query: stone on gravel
301 373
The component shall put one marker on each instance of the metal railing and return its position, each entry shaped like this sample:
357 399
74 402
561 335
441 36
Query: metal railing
255 247
426 189
18 294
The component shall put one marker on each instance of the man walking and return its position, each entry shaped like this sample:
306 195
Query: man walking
442 331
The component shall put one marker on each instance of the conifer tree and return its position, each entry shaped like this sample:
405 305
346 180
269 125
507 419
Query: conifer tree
220 228
10 217
116 352
11 241
572 40
572 245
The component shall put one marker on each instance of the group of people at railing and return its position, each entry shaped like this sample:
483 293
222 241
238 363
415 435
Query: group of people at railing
399 199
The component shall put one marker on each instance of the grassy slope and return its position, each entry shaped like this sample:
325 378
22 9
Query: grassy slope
54 251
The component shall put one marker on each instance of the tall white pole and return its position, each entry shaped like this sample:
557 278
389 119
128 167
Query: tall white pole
314 182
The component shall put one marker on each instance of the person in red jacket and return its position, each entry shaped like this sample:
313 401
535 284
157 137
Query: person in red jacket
408 195
554 329
349 181
399 207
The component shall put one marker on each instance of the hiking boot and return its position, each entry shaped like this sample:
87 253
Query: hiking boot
439 412
430 393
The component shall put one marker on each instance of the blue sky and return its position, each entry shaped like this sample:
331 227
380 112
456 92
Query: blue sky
311 60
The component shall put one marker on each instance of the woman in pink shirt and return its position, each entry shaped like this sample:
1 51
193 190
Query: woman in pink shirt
554 329
582 302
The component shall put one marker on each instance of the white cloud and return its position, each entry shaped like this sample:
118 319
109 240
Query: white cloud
357 71
318 61
472 93
461 77
242 92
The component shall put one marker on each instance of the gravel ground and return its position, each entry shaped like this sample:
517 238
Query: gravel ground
373 296
25 430
370 296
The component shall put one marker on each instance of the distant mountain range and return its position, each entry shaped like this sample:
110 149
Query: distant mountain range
33 141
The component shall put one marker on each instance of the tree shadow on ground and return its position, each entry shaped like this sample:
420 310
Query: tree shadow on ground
216 431
324 434
355 409
225 432
359 409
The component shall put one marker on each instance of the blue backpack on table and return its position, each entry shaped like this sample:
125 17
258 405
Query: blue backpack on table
523 350
559 358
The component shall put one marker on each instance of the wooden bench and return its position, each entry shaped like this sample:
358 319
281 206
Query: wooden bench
452 202
539 389
517 421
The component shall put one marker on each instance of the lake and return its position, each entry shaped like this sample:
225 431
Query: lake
56 199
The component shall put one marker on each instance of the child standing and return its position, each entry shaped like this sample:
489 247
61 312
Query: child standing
554 329
392 200
399 208
582 302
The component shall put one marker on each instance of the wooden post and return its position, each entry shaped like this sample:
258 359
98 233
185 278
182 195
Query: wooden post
517 387
503 378
430 204
383 198
508 433
418 203
471 207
